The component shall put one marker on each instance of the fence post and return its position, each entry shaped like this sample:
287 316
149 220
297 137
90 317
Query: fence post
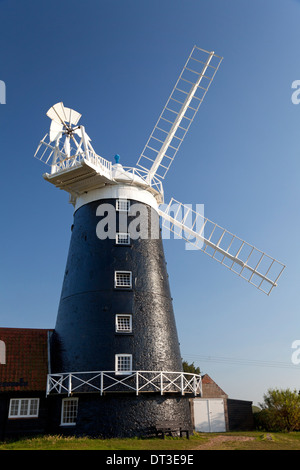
101 383
48 385
70 385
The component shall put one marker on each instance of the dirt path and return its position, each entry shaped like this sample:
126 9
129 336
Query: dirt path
217 442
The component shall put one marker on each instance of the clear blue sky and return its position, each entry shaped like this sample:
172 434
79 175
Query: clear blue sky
116 62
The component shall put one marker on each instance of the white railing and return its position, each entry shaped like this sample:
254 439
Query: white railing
100 162
134 381
55 155
155 183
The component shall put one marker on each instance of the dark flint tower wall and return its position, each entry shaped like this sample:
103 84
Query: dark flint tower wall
85 338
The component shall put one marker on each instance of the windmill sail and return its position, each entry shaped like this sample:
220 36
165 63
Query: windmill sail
179 112
244 259
60 114
75 166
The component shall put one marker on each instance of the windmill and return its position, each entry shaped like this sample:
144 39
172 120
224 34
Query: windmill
115 330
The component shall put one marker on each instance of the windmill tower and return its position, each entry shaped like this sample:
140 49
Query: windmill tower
115 358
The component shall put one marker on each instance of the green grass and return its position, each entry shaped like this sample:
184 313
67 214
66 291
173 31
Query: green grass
260 441
85 443
71 443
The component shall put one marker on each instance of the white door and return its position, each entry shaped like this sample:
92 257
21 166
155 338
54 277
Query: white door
209 415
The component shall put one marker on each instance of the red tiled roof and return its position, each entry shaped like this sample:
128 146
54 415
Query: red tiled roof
23 359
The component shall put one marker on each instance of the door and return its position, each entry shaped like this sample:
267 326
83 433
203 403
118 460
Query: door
209 415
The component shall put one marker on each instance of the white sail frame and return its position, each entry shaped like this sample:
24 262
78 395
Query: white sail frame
253 265
179 112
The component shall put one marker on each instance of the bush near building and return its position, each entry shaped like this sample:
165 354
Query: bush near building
280 411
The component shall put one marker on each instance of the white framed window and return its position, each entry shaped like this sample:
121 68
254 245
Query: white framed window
69 409
123 323
24 408
123 364
122 238
123 279
123 205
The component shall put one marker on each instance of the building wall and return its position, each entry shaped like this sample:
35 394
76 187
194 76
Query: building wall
101 416
240 416
210 389
23 374
17 427
85 338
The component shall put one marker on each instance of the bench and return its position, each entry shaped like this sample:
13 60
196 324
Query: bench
168 427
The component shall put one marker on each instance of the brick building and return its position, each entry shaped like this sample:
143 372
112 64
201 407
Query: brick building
216 412
23 378
25 409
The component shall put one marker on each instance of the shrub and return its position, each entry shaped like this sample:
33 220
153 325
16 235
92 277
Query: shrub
280 411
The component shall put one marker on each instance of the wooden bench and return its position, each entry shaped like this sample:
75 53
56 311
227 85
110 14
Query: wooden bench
168 427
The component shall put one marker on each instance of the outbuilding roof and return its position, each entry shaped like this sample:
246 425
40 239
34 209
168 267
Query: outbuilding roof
23 359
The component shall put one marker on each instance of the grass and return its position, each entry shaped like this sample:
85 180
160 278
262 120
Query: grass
85 443
223 441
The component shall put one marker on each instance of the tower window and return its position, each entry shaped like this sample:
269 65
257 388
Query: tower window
123 363
123 279
123 323
123 205
122 238
69 411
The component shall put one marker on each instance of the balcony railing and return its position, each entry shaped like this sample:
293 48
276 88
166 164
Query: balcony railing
137 382
54 155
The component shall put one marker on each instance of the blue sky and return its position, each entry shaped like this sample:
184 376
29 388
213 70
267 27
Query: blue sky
116 62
